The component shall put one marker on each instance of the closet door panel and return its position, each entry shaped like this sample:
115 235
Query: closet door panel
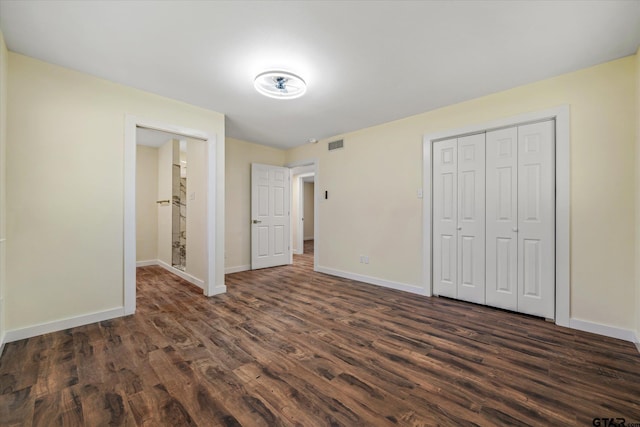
445 214
471 218
536 219
502 219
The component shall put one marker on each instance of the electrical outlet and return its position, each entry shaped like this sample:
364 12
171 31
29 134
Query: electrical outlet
366 259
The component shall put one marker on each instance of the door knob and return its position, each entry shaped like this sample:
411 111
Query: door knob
515 229
459 227
255 221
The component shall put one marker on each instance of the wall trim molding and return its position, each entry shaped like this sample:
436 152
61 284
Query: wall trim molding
62 324
186 276
146 263
606 330
237 269
217 290
373 280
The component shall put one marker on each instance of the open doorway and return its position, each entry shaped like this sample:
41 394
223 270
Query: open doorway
170 203
302 211
304 214
208 198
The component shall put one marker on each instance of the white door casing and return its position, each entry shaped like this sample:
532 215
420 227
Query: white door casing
471 214
536 219
445 216
131 123
270 216
502 219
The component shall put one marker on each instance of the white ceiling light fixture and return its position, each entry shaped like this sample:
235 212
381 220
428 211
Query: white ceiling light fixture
280 85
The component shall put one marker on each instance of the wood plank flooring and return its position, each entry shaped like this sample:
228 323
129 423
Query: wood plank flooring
289 347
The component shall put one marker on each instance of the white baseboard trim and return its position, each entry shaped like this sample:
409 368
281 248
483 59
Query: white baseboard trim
62 324
219 289
146 263
308 238
186 276
373 280
606 330
237 269
297 252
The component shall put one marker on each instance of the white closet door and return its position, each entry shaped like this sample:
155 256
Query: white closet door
502 219
536 219
471 218
445 190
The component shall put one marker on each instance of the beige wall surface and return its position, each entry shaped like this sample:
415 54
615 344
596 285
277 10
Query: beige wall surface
166 153
308 211
65 151
373 208
4 57
239 156
295 207
146 206
637 193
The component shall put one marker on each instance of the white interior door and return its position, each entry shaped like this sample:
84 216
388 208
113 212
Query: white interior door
502 219
270 224
471 214
536 219
445 215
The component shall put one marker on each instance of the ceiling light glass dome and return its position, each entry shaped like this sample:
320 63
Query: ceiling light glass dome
280 85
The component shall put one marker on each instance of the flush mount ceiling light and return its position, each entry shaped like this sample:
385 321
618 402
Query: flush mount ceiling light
280 85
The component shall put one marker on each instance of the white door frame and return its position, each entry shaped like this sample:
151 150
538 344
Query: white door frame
301 183
316 198
563 266
131 123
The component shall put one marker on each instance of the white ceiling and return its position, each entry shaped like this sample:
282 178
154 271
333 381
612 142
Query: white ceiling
365 63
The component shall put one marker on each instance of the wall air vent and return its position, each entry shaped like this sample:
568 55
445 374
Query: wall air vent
336 144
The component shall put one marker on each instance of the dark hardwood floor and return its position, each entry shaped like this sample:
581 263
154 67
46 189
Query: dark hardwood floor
287 346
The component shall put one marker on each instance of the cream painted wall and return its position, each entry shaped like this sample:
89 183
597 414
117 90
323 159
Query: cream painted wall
373 208
196 209
295 207
637 193
166 153
65 148
239 156
4 57
146 206
308 211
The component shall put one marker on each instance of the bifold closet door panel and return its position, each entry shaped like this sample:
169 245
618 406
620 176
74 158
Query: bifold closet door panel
445 214
471 218
502 219
536 219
